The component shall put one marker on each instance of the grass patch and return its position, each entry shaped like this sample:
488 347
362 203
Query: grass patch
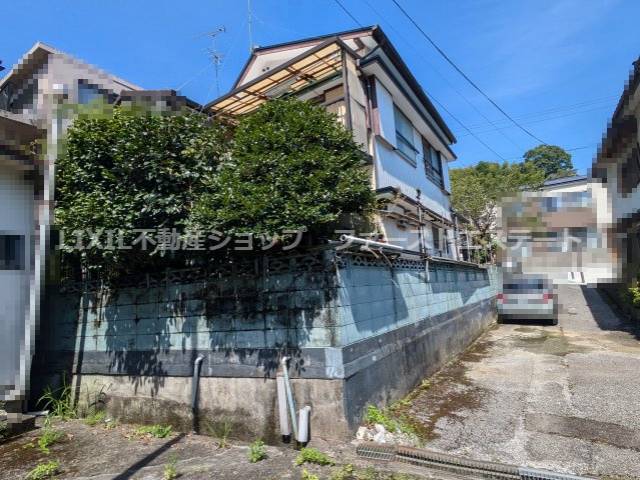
170 471
59 401
312 455
394 419
257 451
49 437
95 417
44 470
157 431
348 472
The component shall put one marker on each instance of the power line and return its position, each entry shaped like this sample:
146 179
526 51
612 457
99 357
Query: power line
434 99
459 70
348 13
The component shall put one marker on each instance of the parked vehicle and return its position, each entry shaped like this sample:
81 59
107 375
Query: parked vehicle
528 298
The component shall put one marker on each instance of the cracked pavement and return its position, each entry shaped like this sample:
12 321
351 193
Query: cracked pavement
563 398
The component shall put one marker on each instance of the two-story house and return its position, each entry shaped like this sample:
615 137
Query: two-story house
359 76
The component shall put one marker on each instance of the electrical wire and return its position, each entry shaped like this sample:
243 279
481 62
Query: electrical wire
464 75
344 9
445 109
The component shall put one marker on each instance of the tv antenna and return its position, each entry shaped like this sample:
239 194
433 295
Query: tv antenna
215 55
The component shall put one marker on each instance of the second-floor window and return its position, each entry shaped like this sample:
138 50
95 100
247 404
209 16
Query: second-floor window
404 136
432 163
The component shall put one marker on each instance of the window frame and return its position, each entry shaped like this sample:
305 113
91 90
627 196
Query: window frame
401 139
436 175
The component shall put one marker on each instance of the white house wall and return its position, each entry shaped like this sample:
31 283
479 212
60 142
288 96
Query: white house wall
16 218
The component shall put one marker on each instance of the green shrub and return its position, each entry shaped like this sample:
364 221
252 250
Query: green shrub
49 437
292 166
44 470
157 431
257 451
633 295
312 455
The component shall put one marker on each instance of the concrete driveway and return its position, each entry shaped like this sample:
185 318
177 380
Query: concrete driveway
565 398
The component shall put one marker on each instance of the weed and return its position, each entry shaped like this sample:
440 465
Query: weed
4 430
49 437
44 470
157 431
220 430
345 472
257 451
395 423
311 455
309 476
95 417
59 401
170 471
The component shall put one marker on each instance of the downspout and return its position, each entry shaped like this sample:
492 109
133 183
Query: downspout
197 363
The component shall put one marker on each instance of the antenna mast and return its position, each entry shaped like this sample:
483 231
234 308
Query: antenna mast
215 56
250 25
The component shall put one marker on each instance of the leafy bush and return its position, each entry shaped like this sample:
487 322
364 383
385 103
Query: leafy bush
257 451
44 470
292 166
312 455
157 431
49 437
633 296
126 170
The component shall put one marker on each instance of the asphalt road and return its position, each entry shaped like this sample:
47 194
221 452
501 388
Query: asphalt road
564 398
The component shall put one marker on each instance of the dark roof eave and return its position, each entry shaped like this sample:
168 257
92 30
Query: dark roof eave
404 70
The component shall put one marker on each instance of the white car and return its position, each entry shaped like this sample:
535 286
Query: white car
527 298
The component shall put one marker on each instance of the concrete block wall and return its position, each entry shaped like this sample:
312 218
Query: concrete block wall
354 325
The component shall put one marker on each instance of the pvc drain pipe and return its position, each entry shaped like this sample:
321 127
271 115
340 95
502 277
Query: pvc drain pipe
290 401
303 424
283 414
194 382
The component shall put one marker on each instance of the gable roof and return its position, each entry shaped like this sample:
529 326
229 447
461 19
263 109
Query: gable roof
38 54
383 43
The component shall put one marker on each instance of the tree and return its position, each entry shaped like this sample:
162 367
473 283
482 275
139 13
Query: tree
553 160
292 166
127 170
477 191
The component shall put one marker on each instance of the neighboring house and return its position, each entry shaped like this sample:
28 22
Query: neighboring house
557 231
28 87
18 196
359 76
29 95
617 169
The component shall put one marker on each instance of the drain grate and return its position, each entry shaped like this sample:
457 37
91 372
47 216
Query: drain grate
458 465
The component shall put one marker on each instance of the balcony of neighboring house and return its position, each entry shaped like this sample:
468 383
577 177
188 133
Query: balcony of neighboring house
325 74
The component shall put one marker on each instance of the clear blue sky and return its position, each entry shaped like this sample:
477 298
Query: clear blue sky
558 66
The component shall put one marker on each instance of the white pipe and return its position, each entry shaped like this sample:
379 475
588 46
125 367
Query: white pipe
292 405
303 424
370 244
285 427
